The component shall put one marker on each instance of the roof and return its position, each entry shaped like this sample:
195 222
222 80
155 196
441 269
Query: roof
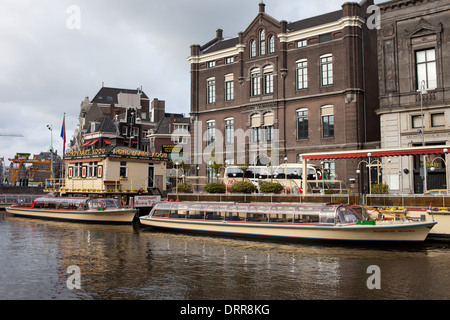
109 95
314 21
222 44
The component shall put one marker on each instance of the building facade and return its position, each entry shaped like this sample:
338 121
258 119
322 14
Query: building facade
414 82
115 116
114 170
288 88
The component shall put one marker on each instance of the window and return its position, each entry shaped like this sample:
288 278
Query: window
229 60
301 43
92 169
77 170
211 64
210 132
416 121
426 69
302 124
329 170
256 126
269 133
327 114
268 79
229 87
268 126
324 37
302 74
252 49
123 169
437 120
326 70
211 88
262 42
229 131
271 44
256 82
256 132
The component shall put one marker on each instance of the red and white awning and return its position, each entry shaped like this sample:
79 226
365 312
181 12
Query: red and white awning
374 153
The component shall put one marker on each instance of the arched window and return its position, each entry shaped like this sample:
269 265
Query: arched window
302 124
256 81
271 44
252 48
211 90
268 79
229 87
302 73
256 127
326 69
229 131
327 115
262 42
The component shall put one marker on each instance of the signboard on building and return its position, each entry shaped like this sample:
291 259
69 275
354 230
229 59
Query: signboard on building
116 152
169 148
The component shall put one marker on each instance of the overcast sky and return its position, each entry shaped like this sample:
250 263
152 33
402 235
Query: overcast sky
51 57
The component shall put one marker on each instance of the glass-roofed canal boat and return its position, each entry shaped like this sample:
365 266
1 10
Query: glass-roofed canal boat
81 209
283 221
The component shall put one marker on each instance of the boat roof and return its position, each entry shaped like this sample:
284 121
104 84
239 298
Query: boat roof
255 207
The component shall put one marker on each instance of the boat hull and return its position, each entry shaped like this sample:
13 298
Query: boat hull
106 216
397 232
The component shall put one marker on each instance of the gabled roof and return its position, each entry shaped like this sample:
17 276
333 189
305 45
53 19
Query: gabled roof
109 95
221 44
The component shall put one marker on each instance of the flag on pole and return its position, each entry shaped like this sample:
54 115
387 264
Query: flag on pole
63 134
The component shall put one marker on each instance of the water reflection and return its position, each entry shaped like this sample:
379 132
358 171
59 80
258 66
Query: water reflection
133 262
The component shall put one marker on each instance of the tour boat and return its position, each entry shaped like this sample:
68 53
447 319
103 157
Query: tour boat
283 221
107 210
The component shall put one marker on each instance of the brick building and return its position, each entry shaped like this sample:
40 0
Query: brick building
413 49
115 116
309 85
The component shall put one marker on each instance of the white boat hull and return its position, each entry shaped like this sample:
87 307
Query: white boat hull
385 231
106 216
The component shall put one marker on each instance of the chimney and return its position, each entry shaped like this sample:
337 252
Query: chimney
219 34
261 7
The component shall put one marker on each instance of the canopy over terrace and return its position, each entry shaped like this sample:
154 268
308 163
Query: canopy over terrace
377 153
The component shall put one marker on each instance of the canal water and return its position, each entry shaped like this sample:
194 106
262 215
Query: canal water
133 262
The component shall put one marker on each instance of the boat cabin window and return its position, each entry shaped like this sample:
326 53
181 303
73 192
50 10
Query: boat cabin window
104 203
162 210
327 215
346 216
278 213
59 203
178 210
196 211
307 214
